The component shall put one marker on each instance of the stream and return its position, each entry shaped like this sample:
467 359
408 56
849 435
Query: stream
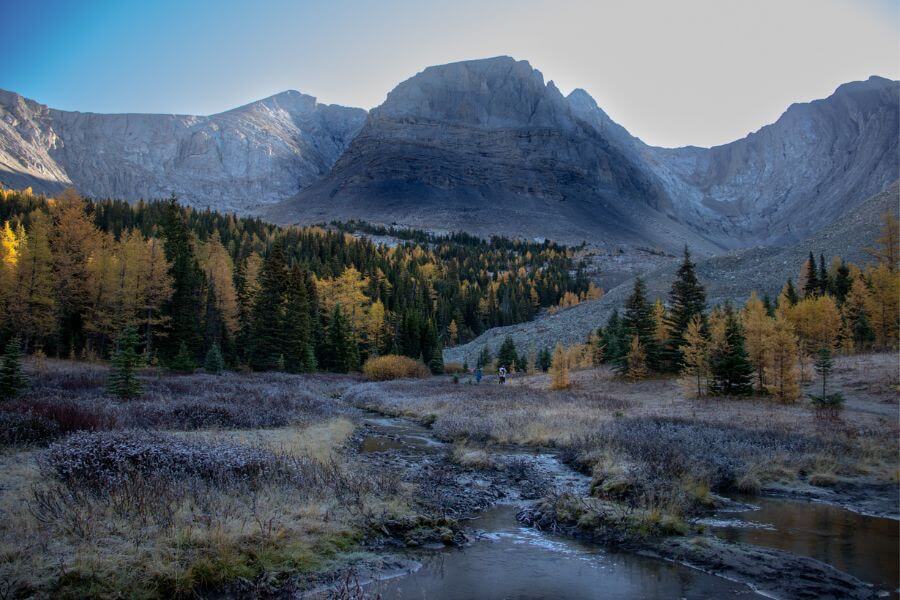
508 560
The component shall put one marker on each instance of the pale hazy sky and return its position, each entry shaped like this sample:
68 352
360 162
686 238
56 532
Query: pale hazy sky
672 72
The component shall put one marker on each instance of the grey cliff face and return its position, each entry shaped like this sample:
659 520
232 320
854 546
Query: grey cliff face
484 146
238 160
487 146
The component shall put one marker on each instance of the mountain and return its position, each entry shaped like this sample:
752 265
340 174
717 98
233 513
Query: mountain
484 146
237 160
488 147
730 276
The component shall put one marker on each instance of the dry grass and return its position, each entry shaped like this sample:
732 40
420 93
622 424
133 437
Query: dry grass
185 515
623 431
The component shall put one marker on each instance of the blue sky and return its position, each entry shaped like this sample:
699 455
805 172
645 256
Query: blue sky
692 72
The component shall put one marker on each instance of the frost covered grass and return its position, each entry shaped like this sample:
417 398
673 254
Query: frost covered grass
145 514
490 413
647 445
206 484
66 397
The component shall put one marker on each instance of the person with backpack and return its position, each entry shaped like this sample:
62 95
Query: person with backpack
502 374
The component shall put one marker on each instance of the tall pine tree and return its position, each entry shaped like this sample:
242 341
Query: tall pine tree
730 365
638 322
299 355
267 338
185 304
687 299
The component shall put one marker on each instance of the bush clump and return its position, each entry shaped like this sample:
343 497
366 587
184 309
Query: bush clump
393 366
104 460
26 428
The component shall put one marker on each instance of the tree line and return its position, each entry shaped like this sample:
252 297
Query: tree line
763 347
76 273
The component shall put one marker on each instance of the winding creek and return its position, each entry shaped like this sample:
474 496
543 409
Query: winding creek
508 560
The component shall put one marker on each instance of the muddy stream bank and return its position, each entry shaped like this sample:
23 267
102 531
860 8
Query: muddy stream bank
502 557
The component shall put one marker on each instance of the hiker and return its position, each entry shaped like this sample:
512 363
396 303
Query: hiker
502 373
478 374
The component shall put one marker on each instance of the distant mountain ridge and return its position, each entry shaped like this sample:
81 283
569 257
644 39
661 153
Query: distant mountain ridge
484 146
238 160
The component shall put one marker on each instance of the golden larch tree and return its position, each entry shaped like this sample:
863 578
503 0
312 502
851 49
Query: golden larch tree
695 352
559 369
782 374
758 328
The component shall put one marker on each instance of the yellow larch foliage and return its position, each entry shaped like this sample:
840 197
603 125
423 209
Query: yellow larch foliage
347 290
218 267
659 316
883 306
559 369
695 352
817 322
758 329
782 373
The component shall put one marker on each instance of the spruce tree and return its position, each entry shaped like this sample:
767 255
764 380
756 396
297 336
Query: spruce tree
484 357
824 280
790 293
299 352
507 355
123 382
811 287
432 350
638 321
183 362
186 303
842 282
687 298
824 367
267 340
12 380
730 366
612 338
545 359
340 353
214 362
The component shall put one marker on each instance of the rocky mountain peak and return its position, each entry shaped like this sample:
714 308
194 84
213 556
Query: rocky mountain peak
493 92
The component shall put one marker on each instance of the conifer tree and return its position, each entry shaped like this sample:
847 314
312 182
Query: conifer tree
12 381
545 359
824 367
613 339
123 382
687 298
484 357
340 353
185 304
634 366
559 369
695 353
183 362
731 369
811 284
758 328
299 342
855 315
638 321
214 362
824 280
33 304
507 355
842 283
789 293
432 349
782 376
267 340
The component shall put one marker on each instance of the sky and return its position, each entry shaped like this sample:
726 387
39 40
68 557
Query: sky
674 73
